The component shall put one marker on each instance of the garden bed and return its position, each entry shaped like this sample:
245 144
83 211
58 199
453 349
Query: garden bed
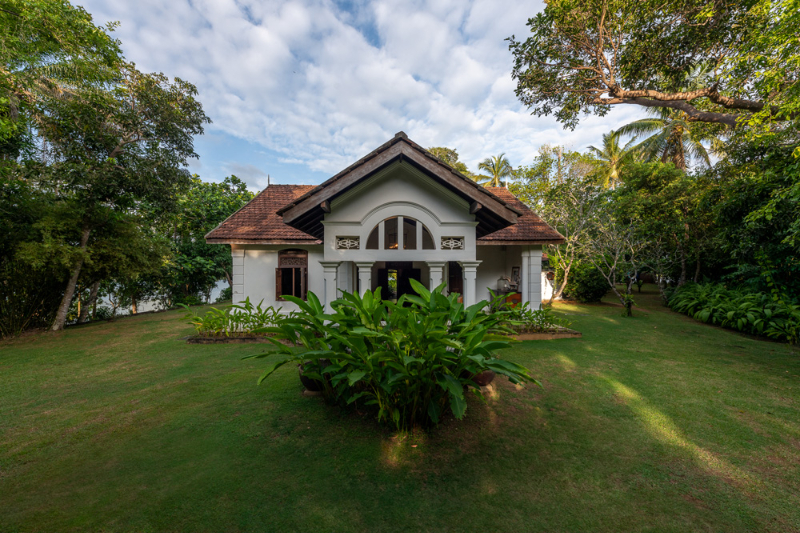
555 332
248 339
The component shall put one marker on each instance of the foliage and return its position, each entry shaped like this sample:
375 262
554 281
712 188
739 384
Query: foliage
586 283
551 168
194 267
757 211
669 210
450 156
588 56
496 167
49 49
408 363
560 188
616 251
672 138
754 313
523 319
235 320
611 158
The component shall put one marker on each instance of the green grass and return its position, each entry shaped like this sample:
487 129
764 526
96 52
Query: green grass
655 423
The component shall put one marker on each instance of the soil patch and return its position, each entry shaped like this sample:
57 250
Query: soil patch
556 332
199 339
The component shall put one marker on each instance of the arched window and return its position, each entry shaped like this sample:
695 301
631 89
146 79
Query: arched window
407 230
291 276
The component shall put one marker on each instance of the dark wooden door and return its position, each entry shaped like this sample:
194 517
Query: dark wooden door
383 283
455 281
403 280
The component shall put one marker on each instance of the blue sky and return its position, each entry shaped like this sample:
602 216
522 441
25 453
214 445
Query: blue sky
299 89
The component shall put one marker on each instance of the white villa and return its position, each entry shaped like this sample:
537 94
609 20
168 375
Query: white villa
398 213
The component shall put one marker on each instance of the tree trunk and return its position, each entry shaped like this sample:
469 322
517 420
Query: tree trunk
683 253
628 298
63 309
697 270
561 286
91 302
133 305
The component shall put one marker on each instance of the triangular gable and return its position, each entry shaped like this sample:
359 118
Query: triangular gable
492 212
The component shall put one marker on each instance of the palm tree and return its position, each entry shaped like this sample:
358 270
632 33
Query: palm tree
496 167
611 158
671 139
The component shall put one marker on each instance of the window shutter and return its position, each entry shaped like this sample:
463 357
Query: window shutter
304 283
278 283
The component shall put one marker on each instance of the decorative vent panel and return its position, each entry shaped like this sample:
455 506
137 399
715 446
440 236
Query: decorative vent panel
348 243
452 243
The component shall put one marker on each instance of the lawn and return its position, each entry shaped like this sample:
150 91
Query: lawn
653 423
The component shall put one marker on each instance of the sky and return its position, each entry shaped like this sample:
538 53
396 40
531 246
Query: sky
299 89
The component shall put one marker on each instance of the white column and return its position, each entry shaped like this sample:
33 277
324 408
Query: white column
524 274
237 255
470 269
535 278
400 242
364 276
329 269
436 271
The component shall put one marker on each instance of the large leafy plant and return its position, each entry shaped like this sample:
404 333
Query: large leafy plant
522 318
756 313
409 362
234 320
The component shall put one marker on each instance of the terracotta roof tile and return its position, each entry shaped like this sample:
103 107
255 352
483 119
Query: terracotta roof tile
258 221
529 226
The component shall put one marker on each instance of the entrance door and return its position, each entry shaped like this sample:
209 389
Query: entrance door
455 278
394 280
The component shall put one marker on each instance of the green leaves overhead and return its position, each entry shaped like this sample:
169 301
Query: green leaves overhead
586 56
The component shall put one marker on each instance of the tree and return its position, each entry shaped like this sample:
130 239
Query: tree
671 139
756 212
611 158
558 186
667 209
615 248
589 56
115 147
49 49
450 156
497 167
195 267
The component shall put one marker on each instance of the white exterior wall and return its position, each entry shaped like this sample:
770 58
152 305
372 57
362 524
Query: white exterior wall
499 261
258 273
547 287
399 190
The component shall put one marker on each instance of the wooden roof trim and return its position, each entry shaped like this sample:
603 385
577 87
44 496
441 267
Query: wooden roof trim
489 242
222 240
382 158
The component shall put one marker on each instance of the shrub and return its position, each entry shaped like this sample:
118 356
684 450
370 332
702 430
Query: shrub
408 363
523 319
586 284
234 320
755 313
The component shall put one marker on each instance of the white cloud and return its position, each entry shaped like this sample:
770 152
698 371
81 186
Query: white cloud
322 85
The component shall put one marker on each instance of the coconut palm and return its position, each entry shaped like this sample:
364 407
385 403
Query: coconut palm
611 158
671 138
496 167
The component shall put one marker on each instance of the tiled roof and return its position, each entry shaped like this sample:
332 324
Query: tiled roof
258 222
530 228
